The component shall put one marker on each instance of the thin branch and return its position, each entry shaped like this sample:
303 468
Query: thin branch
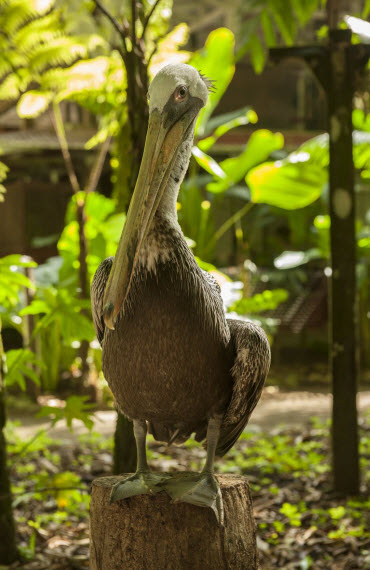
147 19
111 18
156 46
133 22
122 29
98 166
229 223
27 445
57 120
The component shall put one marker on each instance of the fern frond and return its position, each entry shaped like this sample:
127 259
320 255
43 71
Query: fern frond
3 170
2 192
38 31
15 14
61 51
14 84
10 61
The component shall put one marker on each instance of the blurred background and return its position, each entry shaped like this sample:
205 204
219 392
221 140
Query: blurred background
254 208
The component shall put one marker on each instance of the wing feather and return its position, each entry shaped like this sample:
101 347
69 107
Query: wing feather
98 285
251 366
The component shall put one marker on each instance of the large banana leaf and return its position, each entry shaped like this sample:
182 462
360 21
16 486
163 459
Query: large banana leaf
285 184
299 179
222 124
215 61
259 147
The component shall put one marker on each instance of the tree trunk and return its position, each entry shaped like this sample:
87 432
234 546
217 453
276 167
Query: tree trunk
151 532
129 146
8 551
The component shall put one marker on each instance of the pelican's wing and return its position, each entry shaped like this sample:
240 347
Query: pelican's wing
98 285
212 282
251 366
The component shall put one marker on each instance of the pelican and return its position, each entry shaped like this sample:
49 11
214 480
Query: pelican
176 366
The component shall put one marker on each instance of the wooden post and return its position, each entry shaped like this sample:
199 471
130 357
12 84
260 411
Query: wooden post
343 262
151 532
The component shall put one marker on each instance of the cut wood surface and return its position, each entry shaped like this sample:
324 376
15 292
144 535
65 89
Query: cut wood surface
149 532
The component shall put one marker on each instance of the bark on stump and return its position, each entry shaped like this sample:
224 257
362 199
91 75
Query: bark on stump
148 532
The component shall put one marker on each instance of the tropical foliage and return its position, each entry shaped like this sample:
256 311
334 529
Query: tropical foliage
46 61
33 37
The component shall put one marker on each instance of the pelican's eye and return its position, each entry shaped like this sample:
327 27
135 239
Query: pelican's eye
180 93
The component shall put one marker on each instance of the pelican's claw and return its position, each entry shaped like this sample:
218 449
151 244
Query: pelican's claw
141 483
201 490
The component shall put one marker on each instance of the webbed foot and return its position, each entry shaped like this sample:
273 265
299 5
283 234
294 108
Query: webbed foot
141 483
201 490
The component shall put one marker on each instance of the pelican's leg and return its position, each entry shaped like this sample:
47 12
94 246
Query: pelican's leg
201 489
143 481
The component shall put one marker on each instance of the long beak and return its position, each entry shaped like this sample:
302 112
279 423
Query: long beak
160 152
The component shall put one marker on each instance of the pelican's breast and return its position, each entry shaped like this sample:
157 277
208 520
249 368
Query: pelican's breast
164 361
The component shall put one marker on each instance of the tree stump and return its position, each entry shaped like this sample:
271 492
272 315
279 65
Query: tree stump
149 532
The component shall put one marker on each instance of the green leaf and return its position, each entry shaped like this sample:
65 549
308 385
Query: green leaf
305 8
286 185
231 121
12 281
337 513
265 301
298 180
2 191
35 308
215 61
76 407
168 48
283 14
361 150
18 260
366 10
112 228
259 147
268 29
21 364
219 120
33 103
98 206
208 163
361 120
290 259
257 52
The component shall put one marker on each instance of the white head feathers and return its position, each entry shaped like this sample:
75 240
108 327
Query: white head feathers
172 76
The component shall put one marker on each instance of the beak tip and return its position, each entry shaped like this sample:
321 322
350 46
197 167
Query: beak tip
108 315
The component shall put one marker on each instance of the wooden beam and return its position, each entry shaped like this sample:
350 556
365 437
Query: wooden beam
343 263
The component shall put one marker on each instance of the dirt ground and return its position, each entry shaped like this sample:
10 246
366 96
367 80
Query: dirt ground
276 408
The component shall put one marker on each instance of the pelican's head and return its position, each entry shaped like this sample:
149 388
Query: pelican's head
177 88
176 95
